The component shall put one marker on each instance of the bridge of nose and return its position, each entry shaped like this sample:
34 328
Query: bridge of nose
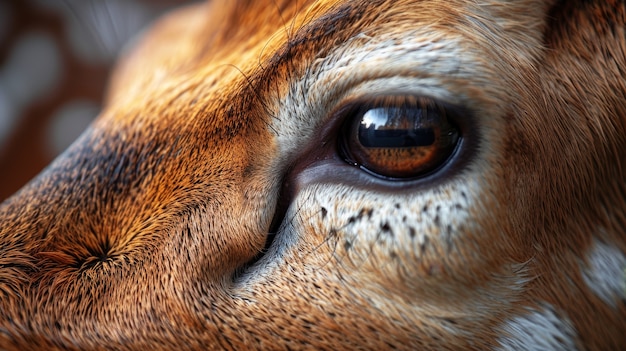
178 183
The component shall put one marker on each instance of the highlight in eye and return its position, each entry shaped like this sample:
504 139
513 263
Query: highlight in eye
399 136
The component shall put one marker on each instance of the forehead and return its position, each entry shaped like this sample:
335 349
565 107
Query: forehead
291 24
277 33
244 41
221 28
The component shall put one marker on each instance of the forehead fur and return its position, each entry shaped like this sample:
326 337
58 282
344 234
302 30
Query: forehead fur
257 39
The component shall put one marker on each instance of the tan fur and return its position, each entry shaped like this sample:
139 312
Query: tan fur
139 236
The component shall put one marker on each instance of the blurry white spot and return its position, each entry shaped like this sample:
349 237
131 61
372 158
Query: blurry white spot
605 272
32 69
69 122
8 116
538 330
97 30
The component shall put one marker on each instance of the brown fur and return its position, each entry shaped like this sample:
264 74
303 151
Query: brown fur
140 235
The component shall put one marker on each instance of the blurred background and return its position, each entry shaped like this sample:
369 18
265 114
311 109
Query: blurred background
55 58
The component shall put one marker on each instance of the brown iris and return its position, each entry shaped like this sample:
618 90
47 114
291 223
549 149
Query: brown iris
400 137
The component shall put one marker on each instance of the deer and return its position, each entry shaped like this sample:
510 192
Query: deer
328 174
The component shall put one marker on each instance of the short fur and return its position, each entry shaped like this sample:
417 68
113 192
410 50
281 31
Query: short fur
147 232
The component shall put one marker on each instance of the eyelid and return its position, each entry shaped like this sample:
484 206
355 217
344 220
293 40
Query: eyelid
319 161
313 157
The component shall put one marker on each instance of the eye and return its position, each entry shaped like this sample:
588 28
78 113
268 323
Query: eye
399 137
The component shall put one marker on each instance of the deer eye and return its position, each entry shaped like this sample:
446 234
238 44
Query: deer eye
399 137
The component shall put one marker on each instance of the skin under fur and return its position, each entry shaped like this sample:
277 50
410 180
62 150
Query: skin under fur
221 126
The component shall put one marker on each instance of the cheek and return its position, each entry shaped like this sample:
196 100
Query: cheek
420 241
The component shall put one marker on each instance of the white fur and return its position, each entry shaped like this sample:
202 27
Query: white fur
605 272
538 330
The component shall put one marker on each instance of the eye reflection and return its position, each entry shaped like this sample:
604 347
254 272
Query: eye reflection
393 127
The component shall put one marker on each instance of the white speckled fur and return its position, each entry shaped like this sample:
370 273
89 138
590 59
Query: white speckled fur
541 329
605 272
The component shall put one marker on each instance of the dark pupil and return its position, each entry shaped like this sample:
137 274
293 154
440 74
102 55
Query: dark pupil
395 127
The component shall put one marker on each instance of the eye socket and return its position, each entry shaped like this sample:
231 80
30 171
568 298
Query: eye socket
399 136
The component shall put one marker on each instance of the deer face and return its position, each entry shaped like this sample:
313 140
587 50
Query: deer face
334 174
